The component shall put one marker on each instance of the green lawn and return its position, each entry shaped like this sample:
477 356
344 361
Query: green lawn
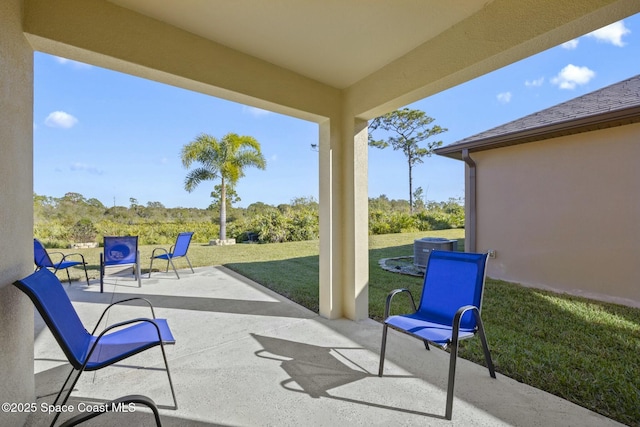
584 351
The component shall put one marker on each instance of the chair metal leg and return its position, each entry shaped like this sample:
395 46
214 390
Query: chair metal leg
101 273
383 348
68 276
137 268
453 358
485 347
150 267
86 275
169 260
66 397
189 264
166 365
137 399
63 386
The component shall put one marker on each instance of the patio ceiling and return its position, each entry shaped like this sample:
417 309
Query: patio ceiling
304 57
336 42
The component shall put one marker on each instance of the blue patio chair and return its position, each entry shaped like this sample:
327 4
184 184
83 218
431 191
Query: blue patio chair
178 250
42 259
449 309
87 351
118 252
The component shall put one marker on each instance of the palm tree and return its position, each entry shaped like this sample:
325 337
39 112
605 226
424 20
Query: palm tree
223 159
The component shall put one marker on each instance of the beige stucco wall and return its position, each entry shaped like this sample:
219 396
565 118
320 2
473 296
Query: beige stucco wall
565 213
16 210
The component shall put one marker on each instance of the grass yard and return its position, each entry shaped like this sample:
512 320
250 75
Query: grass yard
585 351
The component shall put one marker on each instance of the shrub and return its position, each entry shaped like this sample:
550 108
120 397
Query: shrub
52 233
303 225
271 227
83 231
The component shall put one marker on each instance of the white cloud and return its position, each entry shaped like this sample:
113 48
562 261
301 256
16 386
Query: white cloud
255 112
534 83
504 97
572 76
570 45
83 167
60 119
71 62
611 34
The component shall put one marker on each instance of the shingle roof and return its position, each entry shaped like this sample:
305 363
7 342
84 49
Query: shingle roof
613 105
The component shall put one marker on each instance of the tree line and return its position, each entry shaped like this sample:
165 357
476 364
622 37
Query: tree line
59 222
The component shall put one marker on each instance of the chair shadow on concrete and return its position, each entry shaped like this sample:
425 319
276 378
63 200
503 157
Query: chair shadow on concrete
46 383
315 370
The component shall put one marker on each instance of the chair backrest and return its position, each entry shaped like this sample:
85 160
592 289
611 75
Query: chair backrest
40 255
182 244
120 250
453 280
50 299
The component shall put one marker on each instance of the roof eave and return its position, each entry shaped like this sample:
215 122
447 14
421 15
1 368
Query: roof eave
569 127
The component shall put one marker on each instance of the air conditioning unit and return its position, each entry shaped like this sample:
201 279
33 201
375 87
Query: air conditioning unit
423 247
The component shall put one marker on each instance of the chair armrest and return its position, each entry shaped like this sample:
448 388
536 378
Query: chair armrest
461 311
153 253
110 406
392 294
60 254
74 254
458 317
153 314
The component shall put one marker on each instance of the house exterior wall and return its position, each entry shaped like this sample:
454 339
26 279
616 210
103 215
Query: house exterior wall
564 213
16 211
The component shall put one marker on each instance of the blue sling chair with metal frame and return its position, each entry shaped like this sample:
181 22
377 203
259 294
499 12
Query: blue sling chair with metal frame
88 351
42 259
176 251
120 251
449 309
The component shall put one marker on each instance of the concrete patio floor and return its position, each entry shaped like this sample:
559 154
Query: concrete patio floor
246 356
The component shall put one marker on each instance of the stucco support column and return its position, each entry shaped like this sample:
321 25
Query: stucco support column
344 253
16 210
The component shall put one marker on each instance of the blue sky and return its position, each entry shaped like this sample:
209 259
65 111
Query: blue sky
113 137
